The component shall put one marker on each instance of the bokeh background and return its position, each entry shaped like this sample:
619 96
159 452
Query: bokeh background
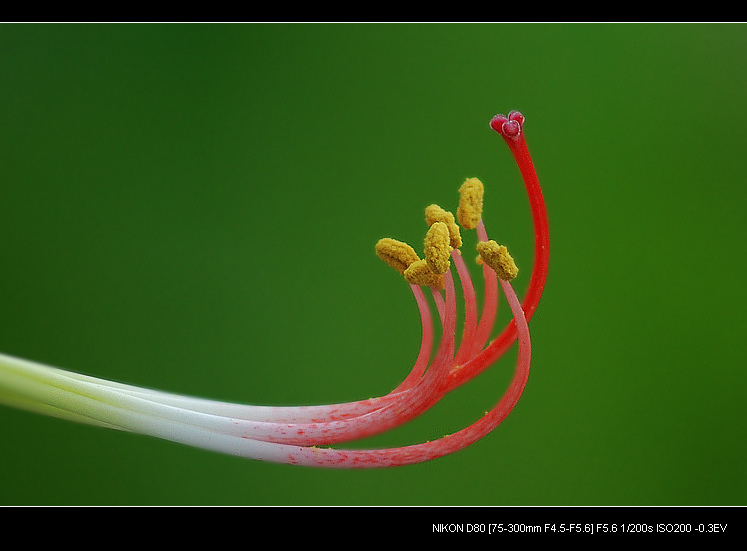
194 207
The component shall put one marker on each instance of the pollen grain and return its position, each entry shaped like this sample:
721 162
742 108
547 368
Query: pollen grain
497 257
397 254
434 213
470 203
418 273
437 248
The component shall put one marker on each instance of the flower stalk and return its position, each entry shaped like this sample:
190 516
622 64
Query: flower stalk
301 435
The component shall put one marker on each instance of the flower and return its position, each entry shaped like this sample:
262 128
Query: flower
302 435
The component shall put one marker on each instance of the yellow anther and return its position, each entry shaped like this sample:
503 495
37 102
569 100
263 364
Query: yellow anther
470 203
437 248
434 213
418 273
496 256
397 254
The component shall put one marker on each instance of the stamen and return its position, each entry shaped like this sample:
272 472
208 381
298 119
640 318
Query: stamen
397 254
291 434
434 213
496 256
437 248
418 273
470 203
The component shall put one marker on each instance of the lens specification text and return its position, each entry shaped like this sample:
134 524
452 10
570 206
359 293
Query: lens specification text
580 528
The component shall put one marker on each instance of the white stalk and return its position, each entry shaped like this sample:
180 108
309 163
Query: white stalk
30 385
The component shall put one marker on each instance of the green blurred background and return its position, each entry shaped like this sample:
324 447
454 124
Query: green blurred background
194 207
